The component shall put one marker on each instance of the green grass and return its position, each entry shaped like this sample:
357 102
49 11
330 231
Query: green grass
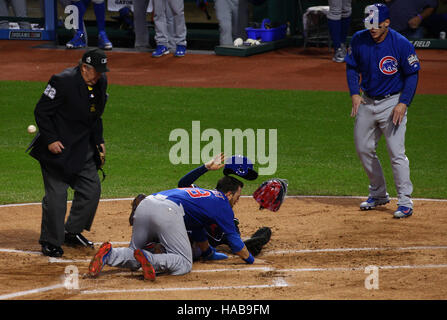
315 139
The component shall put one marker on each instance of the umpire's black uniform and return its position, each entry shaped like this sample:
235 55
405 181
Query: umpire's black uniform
69 111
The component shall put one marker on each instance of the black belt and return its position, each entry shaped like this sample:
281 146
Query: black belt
378 98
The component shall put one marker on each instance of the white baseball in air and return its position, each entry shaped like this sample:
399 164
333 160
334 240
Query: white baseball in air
238 42
31 129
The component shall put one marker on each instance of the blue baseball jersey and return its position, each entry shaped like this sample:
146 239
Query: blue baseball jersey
204 207
383 66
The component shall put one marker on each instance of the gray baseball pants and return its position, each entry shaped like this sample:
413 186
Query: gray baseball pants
87 191
140 23
374 119
162 34
339 9
233 18
20 10
162 219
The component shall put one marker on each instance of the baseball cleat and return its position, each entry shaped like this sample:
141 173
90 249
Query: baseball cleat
104 42
180 51
339 55
77 42
160 51
98 260
148 269
372 203
77 240
403 212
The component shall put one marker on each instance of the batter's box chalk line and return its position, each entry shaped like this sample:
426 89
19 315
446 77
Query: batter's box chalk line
266 253
276 282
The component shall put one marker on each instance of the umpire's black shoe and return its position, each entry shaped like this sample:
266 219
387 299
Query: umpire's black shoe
51 251
77 240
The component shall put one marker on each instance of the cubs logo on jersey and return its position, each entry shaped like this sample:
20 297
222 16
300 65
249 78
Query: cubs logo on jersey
388 65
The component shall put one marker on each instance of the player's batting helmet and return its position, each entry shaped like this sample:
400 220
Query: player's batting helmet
240 166
270 194
376 14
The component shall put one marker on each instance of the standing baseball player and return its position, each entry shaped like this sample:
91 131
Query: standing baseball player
233 18
80 38
165 216
162 34
388 66
339 21
20 11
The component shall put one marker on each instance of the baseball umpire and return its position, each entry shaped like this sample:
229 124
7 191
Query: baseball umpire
388 66
70 149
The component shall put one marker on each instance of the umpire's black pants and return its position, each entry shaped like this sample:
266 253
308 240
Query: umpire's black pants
87 191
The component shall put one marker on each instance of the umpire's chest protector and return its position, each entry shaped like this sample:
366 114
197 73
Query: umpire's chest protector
69 111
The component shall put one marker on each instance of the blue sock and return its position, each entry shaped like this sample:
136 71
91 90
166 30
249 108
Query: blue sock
82 7
345 25
335 32
100 13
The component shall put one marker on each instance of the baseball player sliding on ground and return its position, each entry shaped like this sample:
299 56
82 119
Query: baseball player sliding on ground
388 66
165 216
242 167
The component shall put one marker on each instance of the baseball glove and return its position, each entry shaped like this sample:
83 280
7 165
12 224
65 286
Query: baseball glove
135 202
258 240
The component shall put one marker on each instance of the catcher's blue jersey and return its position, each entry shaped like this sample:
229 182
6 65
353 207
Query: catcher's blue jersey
204 207
383 65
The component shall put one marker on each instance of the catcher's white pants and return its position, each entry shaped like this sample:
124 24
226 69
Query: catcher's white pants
374 119
160 220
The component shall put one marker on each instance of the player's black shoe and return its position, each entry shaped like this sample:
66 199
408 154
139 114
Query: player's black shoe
51 251
77 240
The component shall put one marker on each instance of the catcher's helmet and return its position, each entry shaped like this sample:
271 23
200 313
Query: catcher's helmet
271 194
240 166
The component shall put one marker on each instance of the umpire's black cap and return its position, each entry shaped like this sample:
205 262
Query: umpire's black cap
97 59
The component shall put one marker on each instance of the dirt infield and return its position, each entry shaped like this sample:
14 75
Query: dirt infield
319 249
289 68
320 246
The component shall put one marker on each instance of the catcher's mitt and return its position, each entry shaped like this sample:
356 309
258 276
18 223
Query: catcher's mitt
259 239
271 194
135 203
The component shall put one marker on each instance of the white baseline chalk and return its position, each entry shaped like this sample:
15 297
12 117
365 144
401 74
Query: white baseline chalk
244 196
